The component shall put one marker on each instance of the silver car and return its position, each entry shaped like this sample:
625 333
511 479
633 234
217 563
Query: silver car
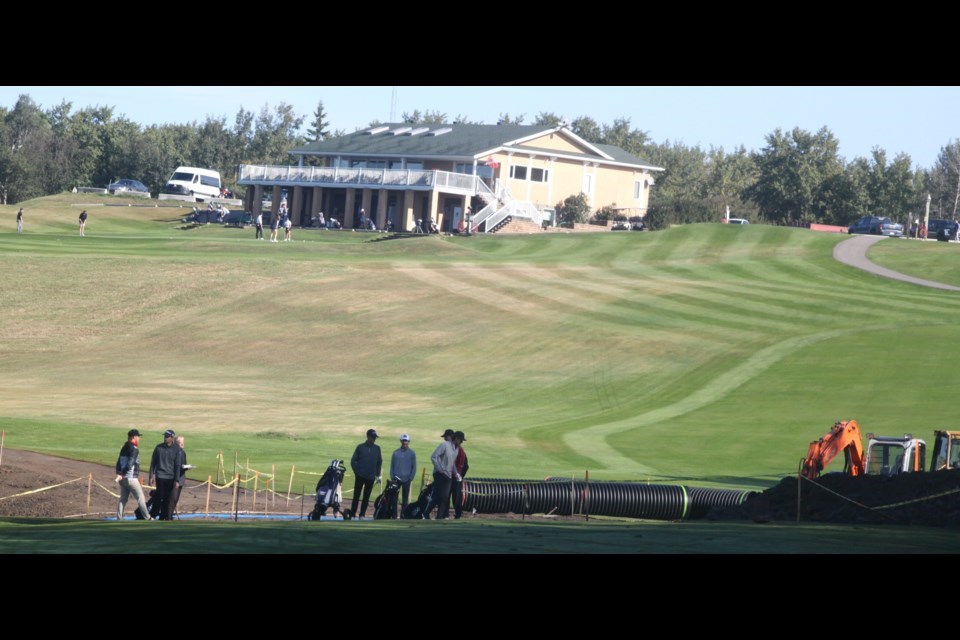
127 185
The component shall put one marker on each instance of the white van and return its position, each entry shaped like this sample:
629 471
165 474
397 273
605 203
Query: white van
193 183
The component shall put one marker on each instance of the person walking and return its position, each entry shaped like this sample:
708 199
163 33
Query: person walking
287 229
461 467
182 467
403 466
20 220
163 472
83 222
128 475
443 458
259 224
367 464
274 226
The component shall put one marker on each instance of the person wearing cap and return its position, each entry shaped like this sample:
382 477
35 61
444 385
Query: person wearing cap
460 466
128 475
403 466
164 473
367 464
443 458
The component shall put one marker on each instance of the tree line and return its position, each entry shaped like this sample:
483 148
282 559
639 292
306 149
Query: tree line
797 177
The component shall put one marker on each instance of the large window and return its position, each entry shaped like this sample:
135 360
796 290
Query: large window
518 173
637 189
539 175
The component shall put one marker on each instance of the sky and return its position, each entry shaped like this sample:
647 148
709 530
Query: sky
915 120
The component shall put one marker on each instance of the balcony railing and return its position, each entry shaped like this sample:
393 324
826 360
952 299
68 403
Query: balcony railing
400 178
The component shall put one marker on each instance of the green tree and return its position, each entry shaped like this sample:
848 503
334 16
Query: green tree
792 172
319 126
573 209
432 118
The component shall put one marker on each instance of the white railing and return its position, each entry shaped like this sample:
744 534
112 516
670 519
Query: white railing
515 208
307 176
484 214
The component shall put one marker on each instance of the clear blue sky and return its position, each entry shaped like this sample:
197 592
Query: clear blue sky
915 120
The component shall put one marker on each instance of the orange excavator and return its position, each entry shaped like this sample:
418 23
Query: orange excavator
843 436
885 455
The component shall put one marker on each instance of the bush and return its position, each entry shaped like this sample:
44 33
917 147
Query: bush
573 209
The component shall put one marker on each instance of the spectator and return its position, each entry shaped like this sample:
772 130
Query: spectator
20 220
182 467
83 222
128 476
367 464
164 473
443 458
403 466
461 466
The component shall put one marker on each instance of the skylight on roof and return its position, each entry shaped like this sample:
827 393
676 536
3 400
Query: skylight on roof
376 130
440 132
417 131
400 130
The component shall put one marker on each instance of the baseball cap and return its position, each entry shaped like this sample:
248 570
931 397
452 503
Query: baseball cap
404 438
448 432
372 432
459 434
169 433
133 432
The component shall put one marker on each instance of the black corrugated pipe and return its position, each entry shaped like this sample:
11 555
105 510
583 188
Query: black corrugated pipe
620 499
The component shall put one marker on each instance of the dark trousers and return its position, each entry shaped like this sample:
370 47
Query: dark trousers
164 496
175 499
440 496
259 231
456 491
404 496
365 485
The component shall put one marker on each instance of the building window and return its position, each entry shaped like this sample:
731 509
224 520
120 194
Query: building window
518 172
588 184
637 189
539 175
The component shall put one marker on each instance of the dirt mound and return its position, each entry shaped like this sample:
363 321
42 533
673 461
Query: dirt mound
927 499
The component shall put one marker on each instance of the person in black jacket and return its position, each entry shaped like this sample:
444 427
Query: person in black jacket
456 484
366 463
163 469
128 475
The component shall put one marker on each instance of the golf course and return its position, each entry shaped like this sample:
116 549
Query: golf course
707 354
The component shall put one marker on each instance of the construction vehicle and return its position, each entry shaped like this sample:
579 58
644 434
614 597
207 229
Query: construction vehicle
885 455
946 450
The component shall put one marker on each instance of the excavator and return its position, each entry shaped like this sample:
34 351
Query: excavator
885 455
946 450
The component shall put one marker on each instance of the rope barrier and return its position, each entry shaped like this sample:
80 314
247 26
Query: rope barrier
26 493
886 506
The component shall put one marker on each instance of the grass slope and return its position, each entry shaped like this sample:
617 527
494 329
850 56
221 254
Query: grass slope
707 354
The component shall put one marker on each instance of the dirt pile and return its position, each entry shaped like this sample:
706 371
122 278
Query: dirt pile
926 499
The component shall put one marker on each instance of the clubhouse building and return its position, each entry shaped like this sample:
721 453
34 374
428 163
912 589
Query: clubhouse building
507 175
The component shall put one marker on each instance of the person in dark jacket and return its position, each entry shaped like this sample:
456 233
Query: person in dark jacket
163 469
367 463
456 484
128 475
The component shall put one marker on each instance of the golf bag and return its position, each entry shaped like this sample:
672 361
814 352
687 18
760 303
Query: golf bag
328 490
416 508
153 506
385 506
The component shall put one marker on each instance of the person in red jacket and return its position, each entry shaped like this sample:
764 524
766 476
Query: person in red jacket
456 486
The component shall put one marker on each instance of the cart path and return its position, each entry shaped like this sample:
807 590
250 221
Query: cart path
853 252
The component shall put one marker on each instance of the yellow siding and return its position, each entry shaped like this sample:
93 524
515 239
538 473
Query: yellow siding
556 141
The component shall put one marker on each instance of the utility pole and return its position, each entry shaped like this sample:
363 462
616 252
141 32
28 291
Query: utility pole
393 106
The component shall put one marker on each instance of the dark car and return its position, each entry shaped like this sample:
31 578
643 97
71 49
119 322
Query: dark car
127 185
619 225
238 219
877 226
943 230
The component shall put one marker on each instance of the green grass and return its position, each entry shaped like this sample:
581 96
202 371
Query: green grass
706 354
533 536
937 261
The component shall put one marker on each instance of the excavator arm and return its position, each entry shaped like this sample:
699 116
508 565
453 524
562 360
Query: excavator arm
843 436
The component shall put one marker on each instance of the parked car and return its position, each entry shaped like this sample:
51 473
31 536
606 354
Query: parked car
942 229
877 226
619 225
738 221
127 185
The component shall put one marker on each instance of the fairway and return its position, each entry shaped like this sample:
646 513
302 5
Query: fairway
706 354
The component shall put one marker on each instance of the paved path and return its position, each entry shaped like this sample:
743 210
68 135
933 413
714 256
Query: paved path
853 252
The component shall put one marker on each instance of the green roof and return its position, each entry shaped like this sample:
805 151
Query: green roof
449 141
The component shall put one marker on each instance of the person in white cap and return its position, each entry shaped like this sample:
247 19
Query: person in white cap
403 466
